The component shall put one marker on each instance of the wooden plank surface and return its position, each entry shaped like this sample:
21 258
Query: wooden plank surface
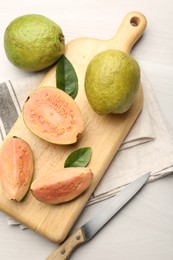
55 222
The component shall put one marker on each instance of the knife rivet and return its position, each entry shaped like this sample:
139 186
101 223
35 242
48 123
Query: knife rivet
62 251
78 237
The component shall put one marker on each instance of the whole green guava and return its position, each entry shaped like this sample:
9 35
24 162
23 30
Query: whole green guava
111 82
33 42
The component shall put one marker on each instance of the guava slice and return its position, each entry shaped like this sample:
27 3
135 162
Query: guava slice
62 186
16 168
53 115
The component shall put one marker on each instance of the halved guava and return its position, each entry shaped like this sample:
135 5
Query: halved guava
53 115
16 167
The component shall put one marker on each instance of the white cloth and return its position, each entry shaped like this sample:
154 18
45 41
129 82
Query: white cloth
147 148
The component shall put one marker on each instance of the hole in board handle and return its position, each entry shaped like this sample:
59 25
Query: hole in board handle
134 21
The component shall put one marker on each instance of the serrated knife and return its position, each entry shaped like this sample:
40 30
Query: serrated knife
90 228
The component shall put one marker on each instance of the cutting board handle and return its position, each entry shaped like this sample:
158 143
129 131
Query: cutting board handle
129 32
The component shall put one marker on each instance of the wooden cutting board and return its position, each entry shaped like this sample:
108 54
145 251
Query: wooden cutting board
104 134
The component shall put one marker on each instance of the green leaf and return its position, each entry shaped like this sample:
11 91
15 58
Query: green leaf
78 158
66 78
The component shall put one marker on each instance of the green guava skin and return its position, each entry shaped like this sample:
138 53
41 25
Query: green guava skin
33 42
112 82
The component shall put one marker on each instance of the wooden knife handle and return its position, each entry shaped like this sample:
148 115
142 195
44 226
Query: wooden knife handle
65 250
130 30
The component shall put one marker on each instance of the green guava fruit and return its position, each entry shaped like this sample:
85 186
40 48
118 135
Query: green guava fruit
111 82
33 42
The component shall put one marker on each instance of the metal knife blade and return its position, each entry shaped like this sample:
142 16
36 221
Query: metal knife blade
90 228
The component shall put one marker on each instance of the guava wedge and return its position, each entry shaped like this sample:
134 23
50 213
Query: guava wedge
16 168
53 115
62 186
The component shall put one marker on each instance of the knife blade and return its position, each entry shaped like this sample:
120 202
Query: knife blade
91 227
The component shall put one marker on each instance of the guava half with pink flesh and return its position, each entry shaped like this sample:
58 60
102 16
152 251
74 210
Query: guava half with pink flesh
53 115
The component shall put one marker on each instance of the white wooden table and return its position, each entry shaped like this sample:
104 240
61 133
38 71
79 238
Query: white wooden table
144 229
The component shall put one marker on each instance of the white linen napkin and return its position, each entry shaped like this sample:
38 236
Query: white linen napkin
147 148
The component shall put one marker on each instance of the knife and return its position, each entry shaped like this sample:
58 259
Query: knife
90 228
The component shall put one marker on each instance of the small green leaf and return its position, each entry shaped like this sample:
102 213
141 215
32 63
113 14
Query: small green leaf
66 78
78 158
